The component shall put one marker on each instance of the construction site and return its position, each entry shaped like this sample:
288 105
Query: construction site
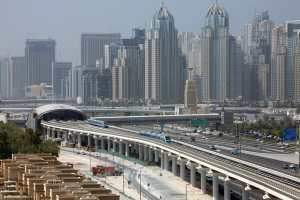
43 177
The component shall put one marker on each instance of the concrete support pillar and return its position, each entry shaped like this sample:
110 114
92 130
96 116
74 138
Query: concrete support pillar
193 174
52 132
146 153
96 143
162 160
121 148
215 186
150 156
174 165
245 193
89 140
166 161
114 146
79 140
156 157
126 149
227 188
182 169
203 181
108 144
141 152
102 147
48 130
66 137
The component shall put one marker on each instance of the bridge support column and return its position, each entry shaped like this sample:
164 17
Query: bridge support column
162 155
146 153
227 188
166 161
174 165
215 186
108 145
193 174
203 179
245 193
140 152
114 146
150 156
48 130
126 149
156 156
182 169
96 143
89 141
66 137
79 140
52 133
102 147
121 148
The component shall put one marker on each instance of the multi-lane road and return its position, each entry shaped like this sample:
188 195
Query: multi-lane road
262 175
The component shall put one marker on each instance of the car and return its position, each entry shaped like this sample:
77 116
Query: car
235 151
285 166
212 147
293 167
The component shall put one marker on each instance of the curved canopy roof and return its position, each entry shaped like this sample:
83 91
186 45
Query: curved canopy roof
54 107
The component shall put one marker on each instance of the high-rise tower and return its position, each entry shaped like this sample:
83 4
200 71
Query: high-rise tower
92 47
39 56
164 73
215 54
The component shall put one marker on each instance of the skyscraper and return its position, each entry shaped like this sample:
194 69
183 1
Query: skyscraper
164 70
18 77
292 28
235 67
215 55
127 73
256 43
296 63
5 78
110 54
60 71
262 79
279 63
39 56
92 47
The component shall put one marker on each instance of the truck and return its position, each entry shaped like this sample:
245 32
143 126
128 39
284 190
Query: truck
103 170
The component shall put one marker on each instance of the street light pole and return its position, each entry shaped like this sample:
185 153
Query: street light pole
298 145
123 180
186 191
140 184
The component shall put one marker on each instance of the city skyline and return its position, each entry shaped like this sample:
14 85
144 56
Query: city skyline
68 39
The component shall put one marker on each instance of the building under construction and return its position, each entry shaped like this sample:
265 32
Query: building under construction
43 177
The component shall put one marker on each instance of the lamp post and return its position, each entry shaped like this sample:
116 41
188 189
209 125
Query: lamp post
238 138
140 183
186 191
297 120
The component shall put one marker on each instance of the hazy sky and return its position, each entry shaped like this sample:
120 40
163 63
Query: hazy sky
65 20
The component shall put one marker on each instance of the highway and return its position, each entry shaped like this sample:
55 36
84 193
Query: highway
274 182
